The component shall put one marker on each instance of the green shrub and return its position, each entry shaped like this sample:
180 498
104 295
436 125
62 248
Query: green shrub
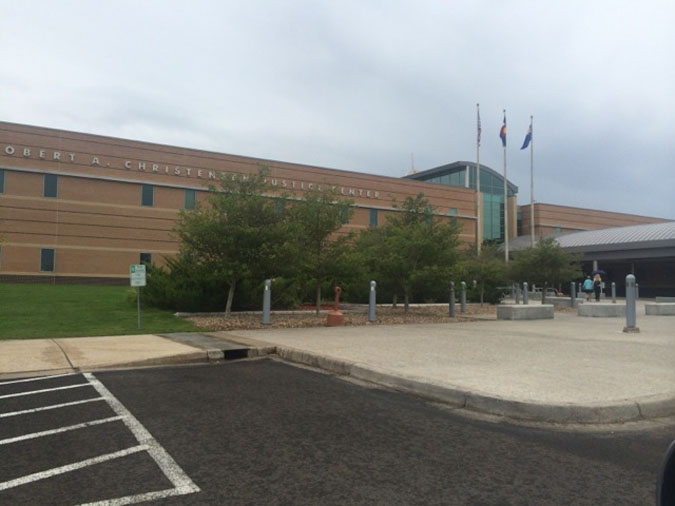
184 285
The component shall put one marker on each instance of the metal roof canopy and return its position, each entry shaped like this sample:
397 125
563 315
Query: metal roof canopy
653 240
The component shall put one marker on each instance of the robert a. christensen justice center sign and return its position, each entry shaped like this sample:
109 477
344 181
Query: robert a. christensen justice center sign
170 170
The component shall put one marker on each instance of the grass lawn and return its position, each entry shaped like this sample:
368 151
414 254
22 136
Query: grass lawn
43 311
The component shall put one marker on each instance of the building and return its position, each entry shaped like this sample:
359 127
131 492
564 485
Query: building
77 207
463 175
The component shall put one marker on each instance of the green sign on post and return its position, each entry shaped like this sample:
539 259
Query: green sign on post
137 279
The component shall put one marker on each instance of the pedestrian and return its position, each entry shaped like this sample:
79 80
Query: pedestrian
588 288
597 286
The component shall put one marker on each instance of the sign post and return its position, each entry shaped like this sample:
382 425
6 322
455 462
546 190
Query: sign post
137 279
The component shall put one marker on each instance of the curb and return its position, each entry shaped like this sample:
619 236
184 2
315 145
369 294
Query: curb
584 414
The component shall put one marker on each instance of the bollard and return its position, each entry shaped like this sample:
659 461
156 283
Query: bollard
543 294
463 298
267 297
517 293
513 291
631 297
613 292
525 293
451 309
371 302
573 293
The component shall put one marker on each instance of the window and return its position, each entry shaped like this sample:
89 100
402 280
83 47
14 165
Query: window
280 207
453 211
190 199
148 195
428 218
2 181
46 260
51 186
373 217
146 258
344 214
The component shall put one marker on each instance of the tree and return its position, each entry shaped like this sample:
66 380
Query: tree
239 233
314 222
546 262
487 269
413 250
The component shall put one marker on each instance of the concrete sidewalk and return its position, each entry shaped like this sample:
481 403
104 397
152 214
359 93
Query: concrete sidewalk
30 357
567 370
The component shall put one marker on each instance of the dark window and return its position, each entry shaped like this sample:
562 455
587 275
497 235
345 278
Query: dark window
190 199
148 195
280 207
146 258
373 217
2 181
51 185
46 260
344 215
429 216
453 211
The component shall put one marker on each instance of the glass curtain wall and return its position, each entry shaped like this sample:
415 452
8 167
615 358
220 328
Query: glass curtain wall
492 188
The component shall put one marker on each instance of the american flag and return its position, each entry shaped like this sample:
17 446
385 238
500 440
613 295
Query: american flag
479 128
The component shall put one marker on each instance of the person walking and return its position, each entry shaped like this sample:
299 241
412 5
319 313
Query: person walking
597 286
588 288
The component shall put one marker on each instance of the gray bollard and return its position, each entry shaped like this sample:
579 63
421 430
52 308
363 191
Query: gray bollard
543 294
513 291
517 293
525 296
573 294
371 302
631 297
451 303
463 298
613 292
267 302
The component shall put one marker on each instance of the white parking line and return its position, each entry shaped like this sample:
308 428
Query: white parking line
169 467
181 482
44 433
53 406
30 478
135 499
32 392
40 378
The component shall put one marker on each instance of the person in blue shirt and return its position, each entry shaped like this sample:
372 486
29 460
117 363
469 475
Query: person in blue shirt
588 288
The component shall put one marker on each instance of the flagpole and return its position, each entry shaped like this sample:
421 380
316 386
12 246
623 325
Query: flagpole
532 180
479 221
506 203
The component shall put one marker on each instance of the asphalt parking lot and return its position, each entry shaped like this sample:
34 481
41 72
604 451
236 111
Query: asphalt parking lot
265 432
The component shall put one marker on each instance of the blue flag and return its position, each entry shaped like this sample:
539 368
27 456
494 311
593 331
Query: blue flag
528 137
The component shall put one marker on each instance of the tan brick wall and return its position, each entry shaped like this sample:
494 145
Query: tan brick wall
548 218
97 224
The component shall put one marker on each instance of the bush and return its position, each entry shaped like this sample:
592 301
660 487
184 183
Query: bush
184 286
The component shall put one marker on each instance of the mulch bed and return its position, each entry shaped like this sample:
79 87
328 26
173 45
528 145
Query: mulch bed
385 316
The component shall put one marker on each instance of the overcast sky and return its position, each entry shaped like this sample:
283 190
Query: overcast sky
360 85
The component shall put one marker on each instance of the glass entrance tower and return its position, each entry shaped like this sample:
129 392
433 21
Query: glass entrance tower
463 175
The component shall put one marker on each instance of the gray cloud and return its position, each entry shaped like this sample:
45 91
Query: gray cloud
360 85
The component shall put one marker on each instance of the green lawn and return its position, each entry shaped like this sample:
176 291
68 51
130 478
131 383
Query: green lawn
37 311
